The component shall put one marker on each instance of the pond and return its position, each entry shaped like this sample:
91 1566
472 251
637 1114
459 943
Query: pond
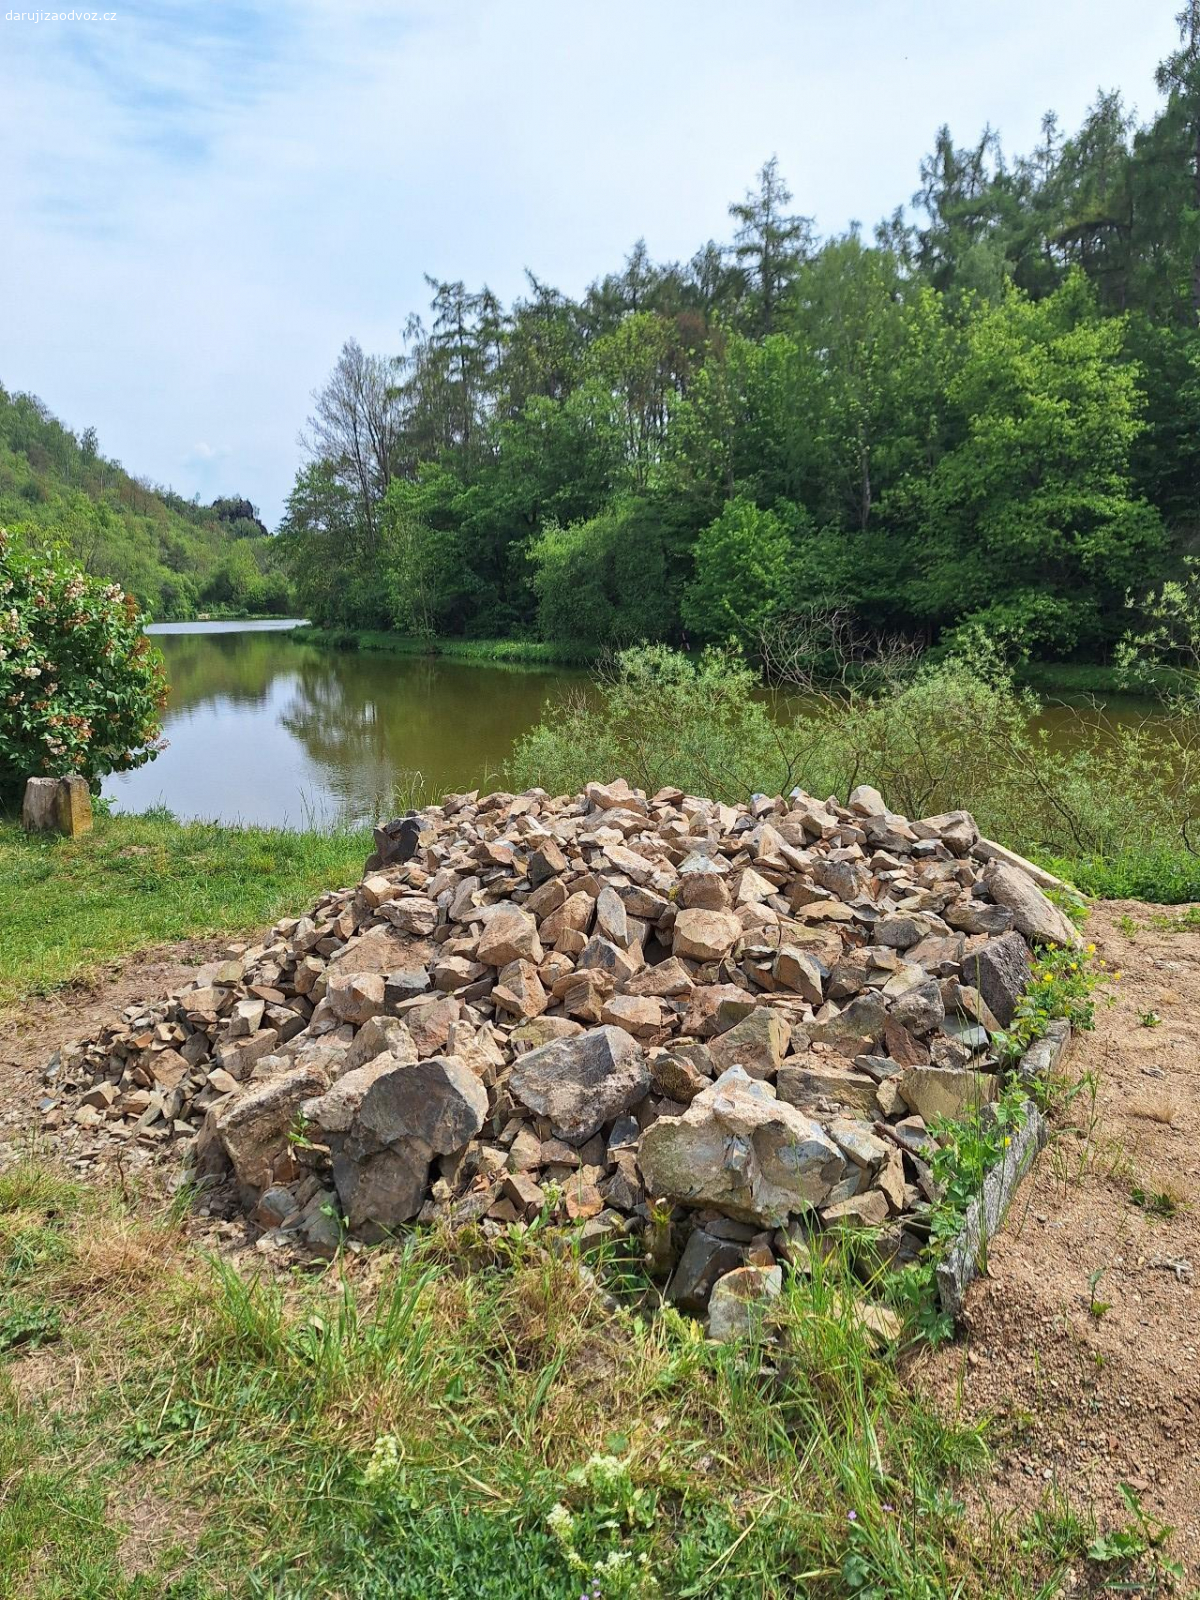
262 729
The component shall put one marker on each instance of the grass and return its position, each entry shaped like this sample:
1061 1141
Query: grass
400 1426
69 905
517 652
1088 677
1161 875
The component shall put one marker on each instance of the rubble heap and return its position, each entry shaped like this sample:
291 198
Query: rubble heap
592 1004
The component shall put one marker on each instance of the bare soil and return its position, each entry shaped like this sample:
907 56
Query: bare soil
1094 1380
30 1033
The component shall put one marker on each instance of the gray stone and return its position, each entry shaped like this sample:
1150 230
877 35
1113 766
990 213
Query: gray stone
978 916
1033 914
1000 971
386 1188
740 1302
862 1019
253 1125
705 1258
438 1103
949 1092
758 1043
706 935
380 1036
742 1151
921 1009
580 1084
815 1084
611 921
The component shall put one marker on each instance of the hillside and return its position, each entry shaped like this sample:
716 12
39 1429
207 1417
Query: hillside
178 557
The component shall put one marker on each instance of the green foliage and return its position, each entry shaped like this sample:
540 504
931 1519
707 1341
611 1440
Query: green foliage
662 719
81 689
1062 985
1141 1540
603 581
27 1324
175 556
743 566
967 1151
1108 804
985 419
1032 522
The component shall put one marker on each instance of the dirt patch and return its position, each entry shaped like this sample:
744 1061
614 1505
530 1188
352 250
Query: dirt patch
32 1031
1082 1342
153 1525
49 1379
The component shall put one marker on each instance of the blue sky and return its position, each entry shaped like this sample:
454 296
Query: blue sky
200 201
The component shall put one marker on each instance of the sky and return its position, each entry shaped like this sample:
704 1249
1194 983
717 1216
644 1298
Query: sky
202 199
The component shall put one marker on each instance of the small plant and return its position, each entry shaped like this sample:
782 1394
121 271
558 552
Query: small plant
1155 1202
1140 1539
1096 1307
1062 985
1187 921
967 1152
1149 1019
29 1325
297 1134
1127 925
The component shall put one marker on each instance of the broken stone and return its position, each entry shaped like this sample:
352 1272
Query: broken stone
580 1084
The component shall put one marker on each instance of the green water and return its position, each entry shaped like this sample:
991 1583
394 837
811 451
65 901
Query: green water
265 730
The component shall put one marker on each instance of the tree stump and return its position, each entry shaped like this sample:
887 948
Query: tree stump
57 805
74 806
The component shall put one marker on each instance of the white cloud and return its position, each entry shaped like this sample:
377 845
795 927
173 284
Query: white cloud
202 200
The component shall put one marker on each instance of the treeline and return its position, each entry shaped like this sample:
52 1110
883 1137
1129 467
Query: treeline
176 556
986 416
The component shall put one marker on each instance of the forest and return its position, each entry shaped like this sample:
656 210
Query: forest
176 556
982 416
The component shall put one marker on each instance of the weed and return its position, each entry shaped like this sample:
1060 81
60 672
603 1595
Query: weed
1186 922
1097 1307
1149 1019
1063 984
30 1324
1140 1539
1155 1202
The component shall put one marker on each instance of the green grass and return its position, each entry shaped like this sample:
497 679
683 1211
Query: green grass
515 652
451 1420
1087 677
69 905
1163 875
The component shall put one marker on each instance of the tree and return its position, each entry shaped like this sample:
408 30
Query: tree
1178 77
355 430
81 689
770 243
604 581
743 568
1032 521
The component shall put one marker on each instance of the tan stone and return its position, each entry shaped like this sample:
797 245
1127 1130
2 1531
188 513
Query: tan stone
706 935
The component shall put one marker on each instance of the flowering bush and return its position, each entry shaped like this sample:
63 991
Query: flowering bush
81 688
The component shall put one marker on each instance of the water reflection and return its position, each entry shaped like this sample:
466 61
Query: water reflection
262 729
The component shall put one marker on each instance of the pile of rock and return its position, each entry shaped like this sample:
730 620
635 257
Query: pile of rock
598 1004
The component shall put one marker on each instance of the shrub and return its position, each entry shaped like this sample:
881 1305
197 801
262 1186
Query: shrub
81 689
663 718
